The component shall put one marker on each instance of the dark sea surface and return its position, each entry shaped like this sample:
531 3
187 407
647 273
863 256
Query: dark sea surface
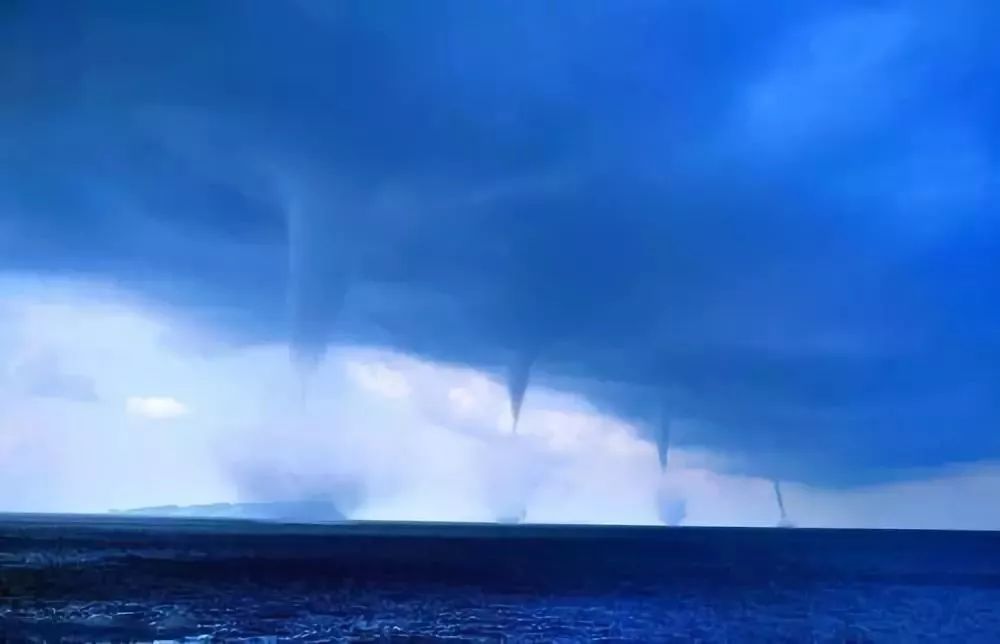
124 578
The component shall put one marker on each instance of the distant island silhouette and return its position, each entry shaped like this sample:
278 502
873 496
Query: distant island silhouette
292 511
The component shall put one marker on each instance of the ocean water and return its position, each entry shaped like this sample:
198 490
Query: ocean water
130 579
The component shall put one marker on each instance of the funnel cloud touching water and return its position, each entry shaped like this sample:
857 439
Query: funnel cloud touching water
765 230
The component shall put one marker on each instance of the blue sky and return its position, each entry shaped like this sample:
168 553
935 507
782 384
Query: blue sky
769 226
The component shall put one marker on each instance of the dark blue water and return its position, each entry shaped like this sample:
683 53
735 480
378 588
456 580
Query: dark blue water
86 578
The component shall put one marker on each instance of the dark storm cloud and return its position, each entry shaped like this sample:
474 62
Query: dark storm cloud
773 221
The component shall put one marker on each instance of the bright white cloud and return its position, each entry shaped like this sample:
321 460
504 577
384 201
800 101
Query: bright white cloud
379 378
383 435
156 407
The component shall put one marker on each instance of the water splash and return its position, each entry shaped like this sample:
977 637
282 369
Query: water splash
672 508
513 518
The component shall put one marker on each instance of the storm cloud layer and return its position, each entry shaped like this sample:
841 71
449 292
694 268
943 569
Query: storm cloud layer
766 228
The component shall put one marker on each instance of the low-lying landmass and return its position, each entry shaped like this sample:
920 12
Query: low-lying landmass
289 511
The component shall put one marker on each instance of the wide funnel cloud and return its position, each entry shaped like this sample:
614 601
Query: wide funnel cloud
768 229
